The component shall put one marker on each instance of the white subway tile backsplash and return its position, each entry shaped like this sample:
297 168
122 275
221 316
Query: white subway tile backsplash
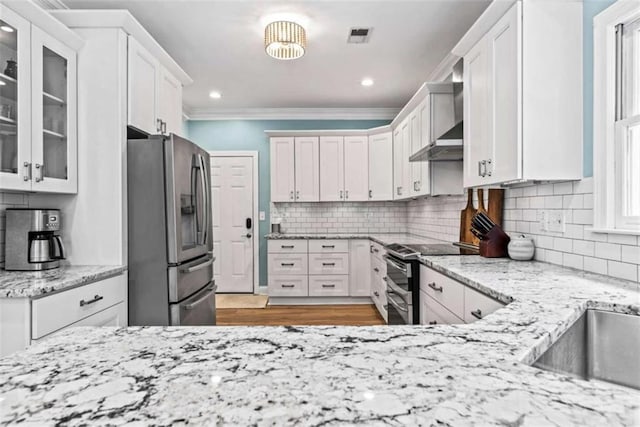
584 247
608 251
631 254
573 261
623 239
622 270
595 265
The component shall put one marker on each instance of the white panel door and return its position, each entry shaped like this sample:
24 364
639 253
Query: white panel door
232 191
381 167
398 164
282 169
331 169
143 88
504 154
356 168
476 113
307 167
170 103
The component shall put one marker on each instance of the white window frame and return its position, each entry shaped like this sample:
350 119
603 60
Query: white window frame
605 132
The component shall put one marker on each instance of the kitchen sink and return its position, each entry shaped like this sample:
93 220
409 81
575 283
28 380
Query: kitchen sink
600 345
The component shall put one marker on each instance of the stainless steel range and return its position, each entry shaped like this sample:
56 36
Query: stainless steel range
403 278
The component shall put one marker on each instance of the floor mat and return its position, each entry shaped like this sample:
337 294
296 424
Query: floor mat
241 301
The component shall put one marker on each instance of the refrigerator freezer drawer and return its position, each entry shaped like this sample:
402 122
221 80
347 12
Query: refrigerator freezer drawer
197 310
187 278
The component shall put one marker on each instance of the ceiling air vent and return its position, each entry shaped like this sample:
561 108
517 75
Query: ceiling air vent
359 35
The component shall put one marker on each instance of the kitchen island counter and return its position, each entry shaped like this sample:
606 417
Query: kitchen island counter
475 374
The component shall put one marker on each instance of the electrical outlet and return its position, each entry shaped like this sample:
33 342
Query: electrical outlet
263 216
551 221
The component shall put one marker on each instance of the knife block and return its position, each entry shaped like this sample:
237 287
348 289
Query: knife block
495 243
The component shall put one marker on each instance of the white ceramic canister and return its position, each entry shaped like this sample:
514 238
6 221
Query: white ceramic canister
521 248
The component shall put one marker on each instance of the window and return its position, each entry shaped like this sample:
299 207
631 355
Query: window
617 118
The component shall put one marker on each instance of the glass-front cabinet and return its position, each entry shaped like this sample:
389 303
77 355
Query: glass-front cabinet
38 136
54 149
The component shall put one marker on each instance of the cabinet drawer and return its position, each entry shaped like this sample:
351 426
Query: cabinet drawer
478 305
288 286
328 263
379 268
280 264
328 286
444 290
287 246
330 246
433 313
56 311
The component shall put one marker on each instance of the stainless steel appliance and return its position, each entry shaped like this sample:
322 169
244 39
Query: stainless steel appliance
33 239
170 233
403 279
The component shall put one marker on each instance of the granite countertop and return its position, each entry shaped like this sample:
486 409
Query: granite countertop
34 284
476 374
382 238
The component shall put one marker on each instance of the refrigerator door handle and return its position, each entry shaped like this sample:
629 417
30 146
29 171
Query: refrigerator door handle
211 290
197 267
205 200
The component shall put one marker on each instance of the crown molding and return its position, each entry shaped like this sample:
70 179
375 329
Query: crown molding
444 68
291 113
483 24
51 4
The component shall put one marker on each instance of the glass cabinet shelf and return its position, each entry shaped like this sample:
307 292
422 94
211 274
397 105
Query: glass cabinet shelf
52 99
53 134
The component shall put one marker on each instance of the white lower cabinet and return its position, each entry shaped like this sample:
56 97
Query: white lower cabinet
444 300
319 268
478 305
433 313
329 286
25 321
288 286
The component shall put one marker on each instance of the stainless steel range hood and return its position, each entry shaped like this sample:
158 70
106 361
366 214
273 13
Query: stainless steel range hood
448 146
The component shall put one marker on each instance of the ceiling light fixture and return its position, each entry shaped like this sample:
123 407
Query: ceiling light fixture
6 28
2 83
285 40
215 95
366 82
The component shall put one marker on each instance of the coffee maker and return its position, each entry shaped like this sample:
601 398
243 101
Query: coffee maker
33 240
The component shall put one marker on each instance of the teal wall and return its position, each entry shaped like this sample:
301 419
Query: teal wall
234 135
590 9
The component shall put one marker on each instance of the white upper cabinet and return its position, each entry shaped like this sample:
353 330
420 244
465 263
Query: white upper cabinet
381 167
419 180
522 83
356 171
398 163
170 102
307 172
38 121
331 168
283 184
155 96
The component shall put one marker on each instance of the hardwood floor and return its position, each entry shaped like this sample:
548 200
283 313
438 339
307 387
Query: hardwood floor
281 315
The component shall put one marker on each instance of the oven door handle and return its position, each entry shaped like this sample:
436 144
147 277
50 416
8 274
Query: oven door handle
395 289
395 264
394 303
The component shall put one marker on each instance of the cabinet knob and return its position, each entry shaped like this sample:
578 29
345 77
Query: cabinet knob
477 314
370 194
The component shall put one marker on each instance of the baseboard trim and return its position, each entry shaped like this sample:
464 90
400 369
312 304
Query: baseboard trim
319 300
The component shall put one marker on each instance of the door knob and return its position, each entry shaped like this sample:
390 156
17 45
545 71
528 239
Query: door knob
248 235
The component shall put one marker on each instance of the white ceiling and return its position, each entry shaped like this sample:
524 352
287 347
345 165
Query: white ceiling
219 43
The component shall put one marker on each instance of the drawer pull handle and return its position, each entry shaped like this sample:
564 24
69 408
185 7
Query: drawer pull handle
91 301
376 269
324 285
287 264
434 287
433 322
288 286
286 246
477 314
376 250
328 246
328 264
376 293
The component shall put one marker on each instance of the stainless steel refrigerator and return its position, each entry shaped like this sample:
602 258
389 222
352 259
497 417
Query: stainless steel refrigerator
170 233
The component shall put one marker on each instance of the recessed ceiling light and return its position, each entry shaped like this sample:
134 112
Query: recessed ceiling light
6 28
215 95
367 82
2 83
